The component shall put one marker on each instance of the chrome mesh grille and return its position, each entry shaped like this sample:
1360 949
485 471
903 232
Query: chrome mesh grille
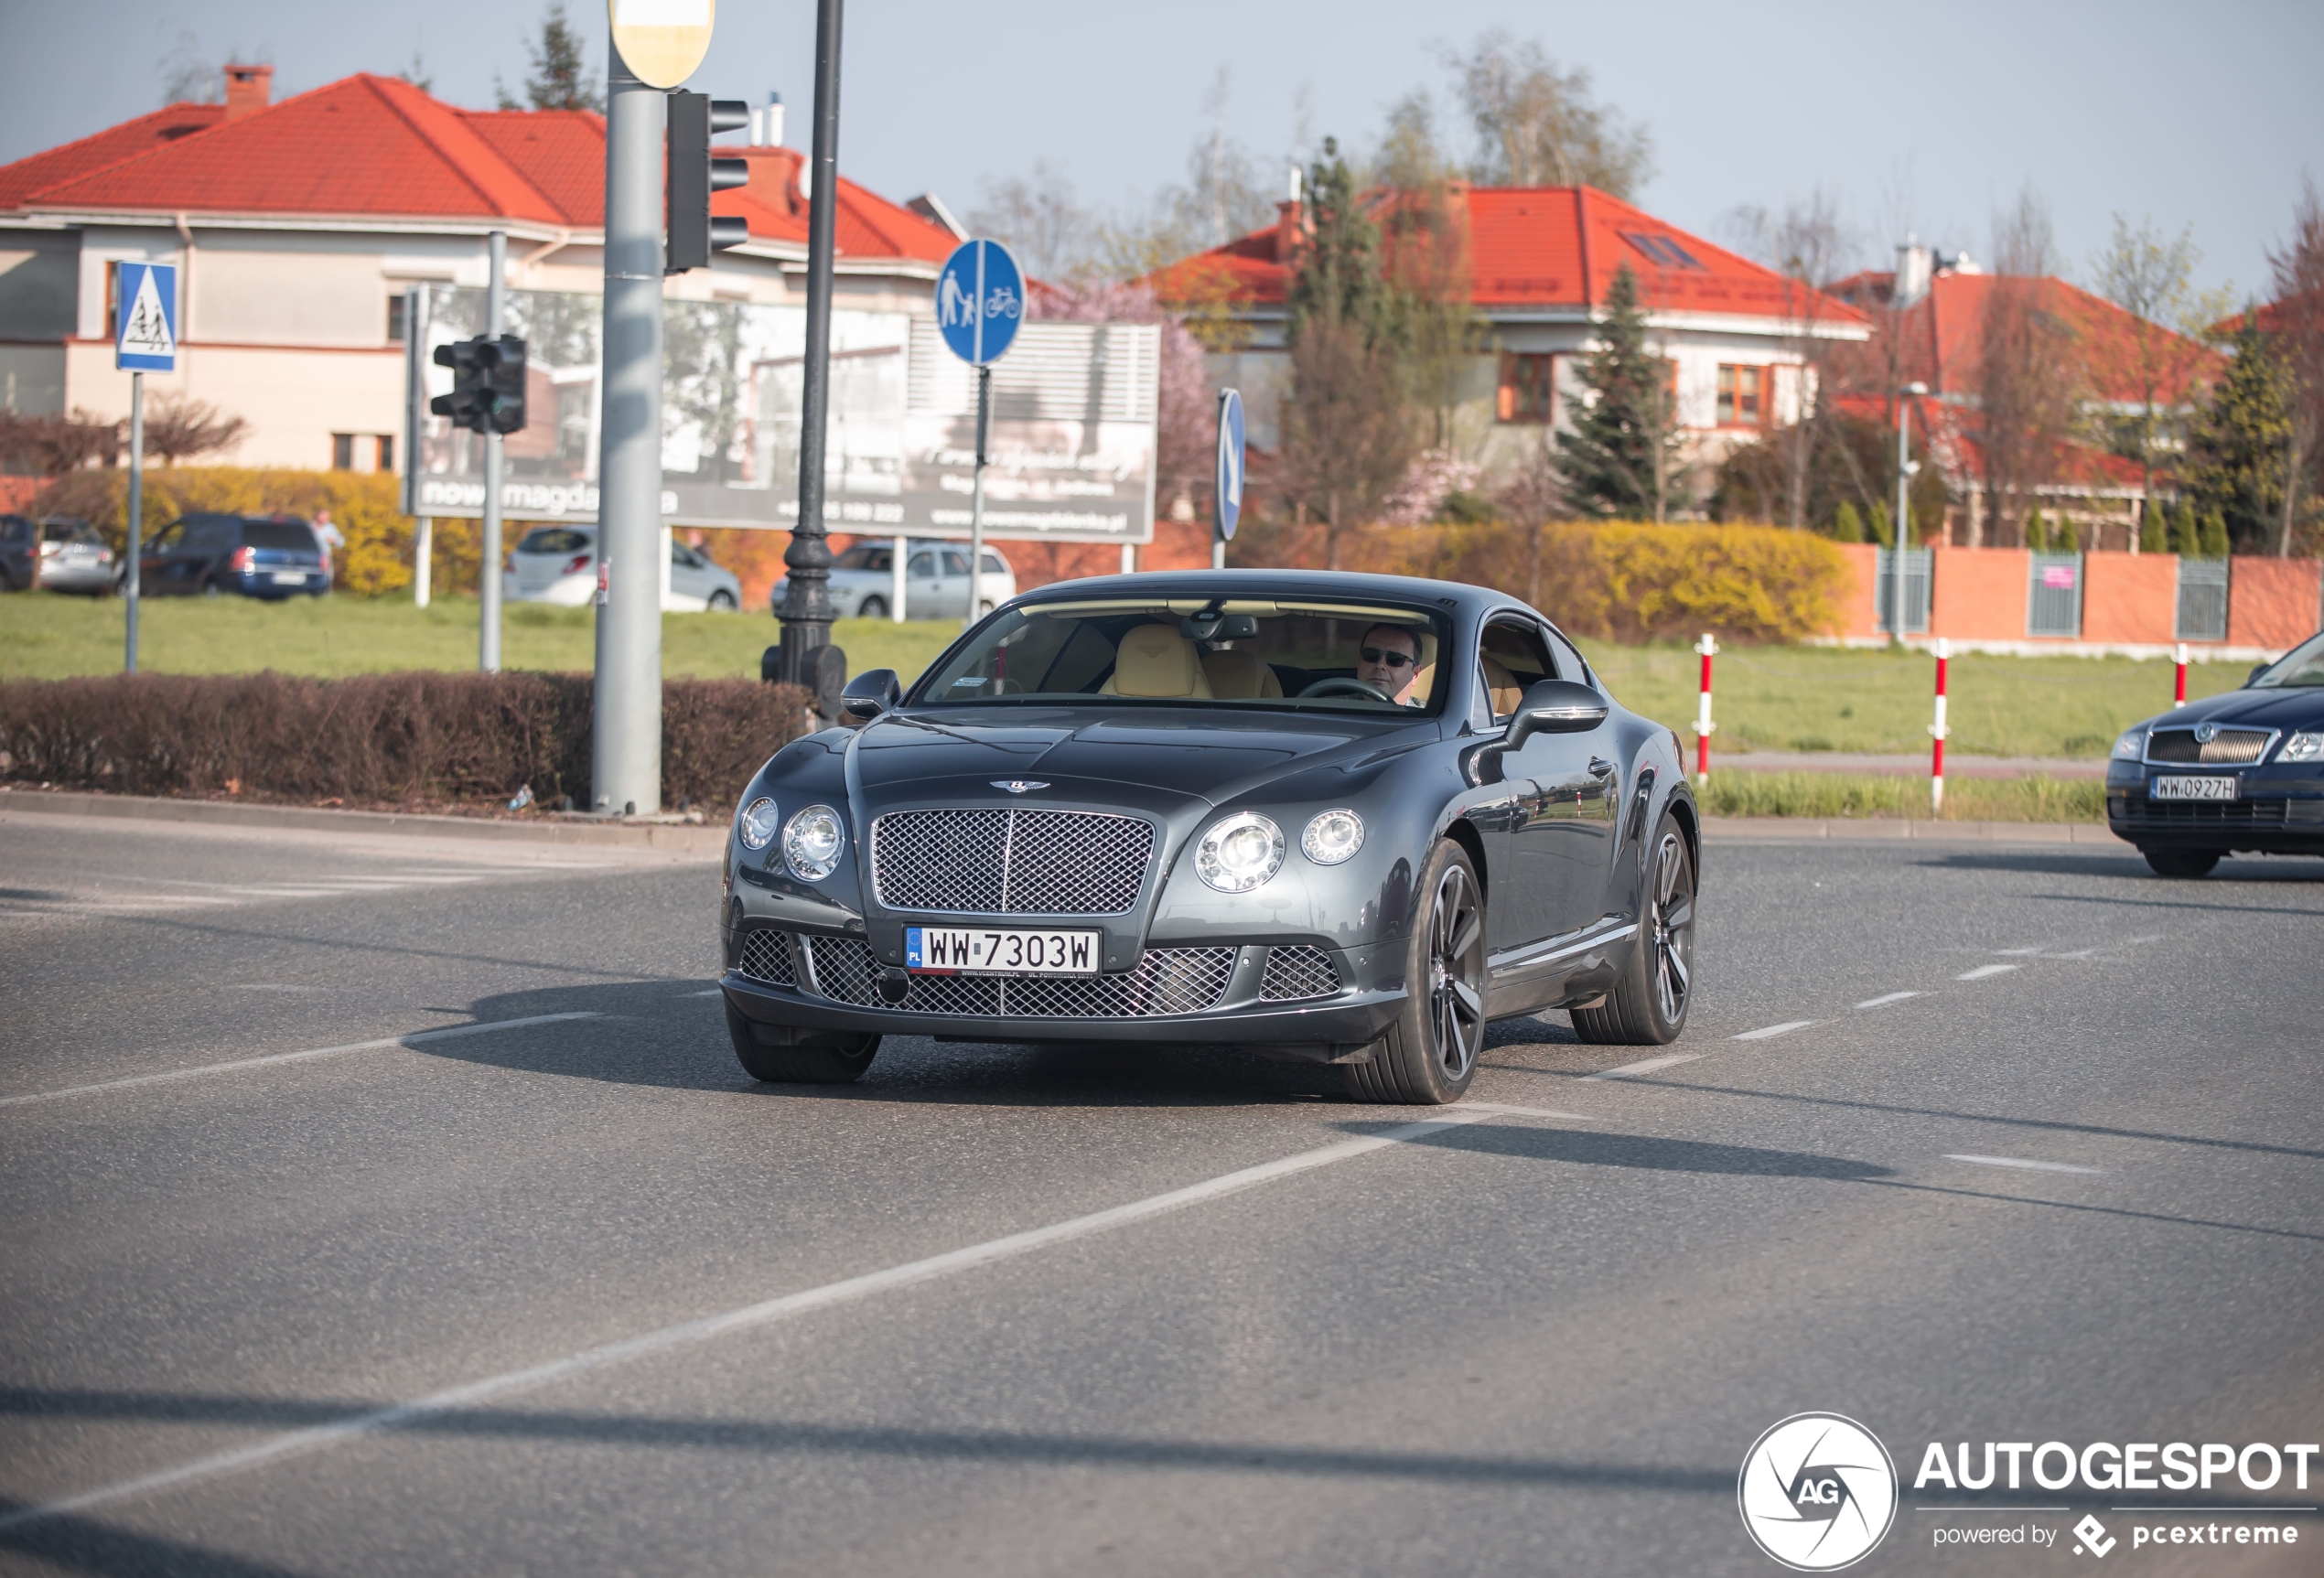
766 956
2231 746
1297 972
1010 861
1166 981
2144 814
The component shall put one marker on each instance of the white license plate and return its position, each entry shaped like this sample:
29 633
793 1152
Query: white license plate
975 950
298 577
2191 789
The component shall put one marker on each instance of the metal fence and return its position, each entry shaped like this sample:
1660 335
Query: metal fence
2054 595
2202 600
1917 570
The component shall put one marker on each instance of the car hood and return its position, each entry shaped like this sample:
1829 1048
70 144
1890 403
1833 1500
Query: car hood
1155 757
2291 707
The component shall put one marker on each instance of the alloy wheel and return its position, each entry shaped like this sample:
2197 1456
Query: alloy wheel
1456 973
1673 917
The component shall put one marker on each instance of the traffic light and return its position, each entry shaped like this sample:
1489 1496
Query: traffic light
693 175
488 384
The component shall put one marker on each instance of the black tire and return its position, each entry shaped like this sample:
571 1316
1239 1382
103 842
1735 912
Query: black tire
872 608
721 602
1429 1054
840 1064
2182 861
1646 1006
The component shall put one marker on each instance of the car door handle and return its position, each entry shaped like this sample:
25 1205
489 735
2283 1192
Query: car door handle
1599 768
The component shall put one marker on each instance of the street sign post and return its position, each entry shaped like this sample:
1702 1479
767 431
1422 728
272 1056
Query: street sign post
980 302
144 339
1227 481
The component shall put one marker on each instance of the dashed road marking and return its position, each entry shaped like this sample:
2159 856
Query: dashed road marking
1632 1070
2023 1165
1885 999
1766 1032
1984 971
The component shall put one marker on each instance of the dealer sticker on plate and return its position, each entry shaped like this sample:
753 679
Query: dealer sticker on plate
2191 789
947 950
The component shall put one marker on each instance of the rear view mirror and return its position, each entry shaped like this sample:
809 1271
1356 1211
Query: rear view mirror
1210 627
870 693
1556 707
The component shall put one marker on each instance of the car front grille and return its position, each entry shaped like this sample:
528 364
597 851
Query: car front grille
2135 813
766 956
2229 747
1297 972
1010 861
1167 980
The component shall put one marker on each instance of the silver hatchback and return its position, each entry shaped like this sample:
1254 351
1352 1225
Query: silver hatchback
74 558
559 564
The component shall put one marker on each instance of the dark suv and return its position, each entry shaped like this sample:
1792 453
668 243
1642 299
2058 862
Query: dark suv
258 556
19 552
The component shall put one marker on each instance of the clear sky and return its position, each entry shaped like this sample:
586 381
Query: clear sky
1930 116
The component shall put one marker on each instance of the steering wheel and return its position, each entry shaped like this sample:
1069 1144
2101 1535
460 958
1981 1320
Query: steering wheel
1342 685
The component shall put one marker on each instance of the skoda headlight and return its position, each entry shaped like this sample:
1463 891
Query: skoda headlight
756 825
811 843
1240 853
2303 748
2131 746
1333 836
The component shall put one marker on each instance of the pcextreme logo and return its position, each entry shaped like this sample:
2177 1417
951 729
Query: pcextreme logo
1818 1492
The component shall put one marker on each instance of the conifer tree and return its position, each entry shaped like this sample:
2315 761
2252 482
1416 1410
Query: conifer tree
2153 531
2186 536
1847 526
1619 459
2215 537
560 78
1883 532
2237 446
2036 531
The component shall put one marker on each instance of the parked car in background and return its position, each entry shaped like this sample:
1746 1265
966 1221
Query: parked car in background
862 582
74 558
2242 771
267 556
19 553
558 564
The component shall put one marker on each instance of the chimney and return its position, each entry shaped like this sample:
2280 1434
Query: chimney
1915 263
248 90
766 125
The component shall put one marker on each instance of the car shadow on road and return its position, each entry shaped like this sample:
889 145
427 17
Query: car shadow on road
1591 1148
85 1544
2297 869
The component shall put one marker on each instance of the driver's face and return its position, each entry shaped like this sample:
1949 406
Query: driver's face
1389 659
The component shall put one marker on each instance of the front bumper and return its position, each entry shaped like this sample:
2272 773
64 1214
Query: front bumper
2275 811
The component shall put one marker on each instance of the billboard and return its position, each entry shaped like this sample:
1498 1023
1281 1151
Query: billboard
1072 456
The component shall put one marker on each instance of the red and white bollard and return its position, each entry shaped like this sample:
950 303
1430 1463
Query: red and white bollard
1937 734
2179 690
1708 647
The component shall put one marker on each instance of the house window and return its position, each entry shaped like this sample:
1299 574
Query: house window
395 319
1527 382
342 452
1742 396
1664 251
386 452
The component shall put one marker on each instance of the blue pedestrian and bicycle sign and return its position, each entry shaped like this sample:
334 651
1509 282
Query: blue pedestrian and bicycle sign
145 330
980 301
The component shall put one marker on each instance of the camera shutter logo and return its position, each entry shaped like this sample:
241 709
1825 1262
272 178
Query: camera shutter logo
1818 1492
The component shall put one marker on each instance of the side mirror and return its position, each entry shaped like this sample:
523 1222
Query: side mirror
870 693
1556 707
2258 670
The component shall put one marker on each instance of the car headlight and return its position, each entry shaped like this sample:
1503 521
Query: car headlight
2305 746
811 843
2131 746
1240 853
756 825
1332 836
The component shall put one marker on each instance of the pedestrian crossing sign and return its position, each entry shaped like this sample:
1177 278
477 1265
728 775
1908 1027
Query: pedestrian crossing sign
145 334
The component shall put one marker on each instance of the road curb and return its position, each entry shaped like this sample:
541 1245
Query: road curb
1891 830
677 839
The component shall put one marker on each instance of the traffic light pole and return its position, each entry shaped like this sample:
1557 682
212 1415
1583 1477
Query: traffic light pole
487 638
807 656
626 749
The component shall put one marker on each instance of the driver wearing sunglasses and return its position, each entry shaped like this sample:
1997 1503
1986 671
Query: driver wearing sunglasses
1389 657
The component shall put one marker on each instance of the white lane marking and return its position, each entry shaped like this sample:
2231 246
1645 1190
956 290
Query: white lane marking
1530 1112
788 1306
1766 1031
1984 971
270 986
2017 952
714 991
2023 1164
1885 999
1648 1066
196 1072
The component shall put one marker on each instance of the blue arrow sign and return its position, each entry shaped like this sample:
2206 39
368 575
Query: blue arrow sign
1229 477
980 300
145 330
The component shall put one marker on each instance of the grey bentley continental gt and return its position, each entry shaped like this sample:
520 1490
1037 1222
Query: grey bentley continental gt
1331 818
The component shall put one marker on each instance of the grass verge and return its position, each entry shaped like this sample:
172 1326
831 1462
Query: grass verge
2037 799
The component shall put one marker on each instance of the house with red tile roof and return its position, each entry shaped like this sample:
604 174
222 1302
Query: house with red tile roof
298 226
1536 263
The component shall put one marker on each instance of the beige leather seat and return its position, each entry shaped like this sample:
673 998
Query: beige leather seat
1240 675
1508 695
1424 678
1155 661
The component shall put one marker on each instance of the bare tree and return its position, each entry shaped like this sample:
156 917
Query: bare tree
1044 223
2028 382
1347 431
1538 126
1808 245
1535 496
187 75
52 445
180 427
2298 268
1424 222
2153 280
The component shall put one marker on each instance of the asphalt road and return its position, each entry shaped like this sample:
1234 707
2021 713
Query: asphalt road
573 1296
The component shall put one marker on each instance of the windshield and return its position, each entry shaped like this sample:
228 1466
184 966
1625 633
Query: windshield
2303 665
1227 652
